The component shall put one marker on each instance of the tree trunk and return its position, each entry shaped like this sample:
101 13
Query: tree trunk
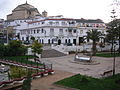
112 47
94 48
119 43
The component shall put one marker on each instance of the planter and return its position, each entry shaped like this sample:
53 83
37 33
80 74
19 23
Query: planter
34 67
51 71
19 80
19 64
8 82
1 84
15 64
42 69
23 66
45 73
36 75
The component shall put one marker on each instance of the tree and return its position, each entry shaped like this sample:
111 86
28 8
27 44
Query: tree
32 39
2 50
36 47
112 33
27 82
16 48
94 35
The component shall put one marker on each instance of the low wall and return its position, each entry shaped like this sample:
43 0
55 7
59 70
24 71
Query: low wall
87 47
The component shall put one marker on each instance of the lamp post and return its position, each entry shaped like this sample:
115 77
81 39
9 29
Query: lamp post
7 35
114 17
114 62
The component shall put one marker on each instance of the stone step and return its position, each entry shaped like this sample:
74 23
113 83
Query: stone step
51 53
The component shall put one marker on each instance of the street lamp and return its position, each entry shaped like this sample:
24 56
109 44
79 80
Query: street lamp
114 61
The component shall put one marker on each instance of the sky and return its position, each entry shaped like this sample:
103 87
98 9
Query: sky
87 9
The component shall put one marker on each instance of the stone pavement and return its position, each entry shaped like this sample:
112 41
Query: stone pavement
65 68
64 63
46 83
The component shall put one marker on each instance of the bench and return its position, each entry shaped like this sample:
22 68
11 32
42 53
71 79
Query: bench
82 58
107 73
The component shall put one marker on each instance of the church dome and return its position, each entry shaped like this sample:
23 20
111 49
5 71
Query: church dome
23 11
24 6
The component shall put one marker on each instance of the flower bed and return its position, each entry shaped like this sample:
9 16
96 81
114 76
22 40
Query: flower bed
11 82
36 75
19 80
1 84
50 71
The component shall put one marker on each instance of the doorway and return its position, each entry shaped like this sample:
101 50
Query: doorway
80 40
59 42
74 41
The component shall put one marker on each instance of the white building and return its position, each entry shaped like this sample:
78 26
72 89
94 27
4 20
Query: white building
50 29
58 29
55 29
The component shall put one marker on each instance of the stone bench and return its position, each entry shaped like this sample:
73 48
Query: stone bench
82 58
107 73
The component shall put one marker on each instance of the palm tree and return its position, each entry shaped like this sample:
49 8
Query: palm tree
94 35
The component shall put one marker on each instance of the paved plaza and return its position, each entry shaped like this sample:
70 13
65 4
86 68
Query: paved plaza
66 63
65 67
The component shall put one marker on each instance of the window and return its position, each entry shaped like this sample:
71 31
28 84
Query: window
69 41
42 30
28 31
81 31
21 32
63 23
22 38
50 23
42 41
88 40
57 23
61 30
70 30
75 31
43 22
51 30
65 40
38 30
34 31
66 30
71 22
